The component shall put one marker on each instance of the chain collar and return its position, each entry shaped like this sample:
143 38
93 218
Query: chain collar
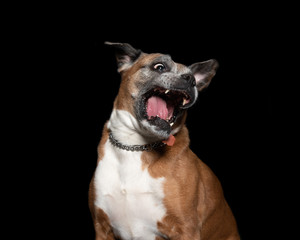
134 148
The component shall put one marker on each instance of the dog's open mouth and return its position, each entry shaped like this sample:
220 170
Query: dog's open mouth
163 104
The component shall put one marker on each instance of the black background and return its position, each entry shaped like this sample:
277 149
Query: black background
230 126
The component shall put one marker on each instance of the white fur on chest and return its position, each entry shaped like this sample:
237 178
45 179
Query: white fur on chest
131 198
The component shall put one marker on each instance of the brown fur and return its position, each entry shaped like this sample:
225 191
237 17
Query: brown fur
196 208
193 195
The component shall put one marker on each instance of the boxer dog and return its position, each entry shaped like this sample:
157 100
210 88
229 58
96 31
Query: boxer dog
148 184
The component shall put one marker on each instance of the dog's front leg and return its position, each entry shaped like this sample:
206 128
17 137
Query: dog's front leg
103 230
179 232
187 236
103 233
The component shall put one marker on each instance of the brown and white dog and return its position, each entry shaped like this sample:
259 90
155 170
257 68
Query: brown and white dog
148 184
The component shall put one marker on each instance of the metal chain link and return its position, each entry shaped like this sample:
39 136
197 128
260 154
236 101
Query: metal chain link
135 148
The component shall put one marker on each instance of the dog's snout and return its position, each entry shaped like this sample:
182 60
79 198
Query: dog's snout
189 78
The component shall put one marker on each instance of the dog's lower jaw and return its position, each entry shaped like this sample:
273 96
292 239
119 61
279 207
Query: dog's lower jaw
154 132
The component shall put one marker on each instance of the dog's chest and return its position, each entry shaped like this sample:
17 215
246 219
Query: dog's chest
132 199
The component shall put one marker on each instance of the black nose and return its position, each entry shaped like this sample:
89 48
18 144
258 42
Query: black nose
189 78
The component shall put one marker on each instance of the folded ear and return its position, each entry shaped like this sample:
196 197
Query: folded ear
125 54
204 72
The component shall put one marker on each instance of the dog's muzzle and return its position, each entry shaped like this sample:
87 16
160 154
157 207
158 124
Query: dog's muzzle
160 107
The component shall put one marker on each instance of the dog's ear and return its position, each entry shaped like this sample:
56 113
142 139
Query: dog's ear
204 72
125 54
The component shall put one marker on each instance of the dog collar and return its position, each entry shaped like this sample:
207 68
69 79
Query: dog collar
135 148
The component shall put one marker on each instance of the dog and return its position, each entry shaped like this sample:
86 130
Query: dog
148 184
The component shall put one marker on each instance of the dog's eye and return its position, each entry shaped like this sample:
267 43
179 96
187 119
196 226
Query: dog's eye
160 67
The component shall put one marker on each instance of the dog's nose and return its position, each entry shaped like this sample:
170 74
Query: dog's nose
189 78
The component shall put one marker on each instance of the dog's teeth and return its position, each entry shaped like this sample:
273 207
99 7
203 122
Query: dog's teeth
171 124
184 102
167 91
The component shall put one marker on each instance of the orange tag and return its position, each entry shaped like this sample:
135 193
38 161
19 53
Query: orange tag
170 141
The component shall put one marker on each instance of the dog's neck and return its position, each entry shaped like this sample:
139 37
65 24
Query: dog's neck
126 129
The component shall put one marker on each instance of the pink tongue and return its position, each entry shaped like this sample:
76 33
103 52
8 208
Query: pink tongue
170 141
157 107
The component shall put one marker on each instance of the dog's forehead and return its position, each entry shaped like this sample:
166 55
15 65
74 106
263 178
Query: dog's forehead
154 58
166 59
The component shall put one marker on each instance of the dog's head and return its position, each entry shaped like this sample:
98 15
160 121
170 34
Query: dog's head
156 90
